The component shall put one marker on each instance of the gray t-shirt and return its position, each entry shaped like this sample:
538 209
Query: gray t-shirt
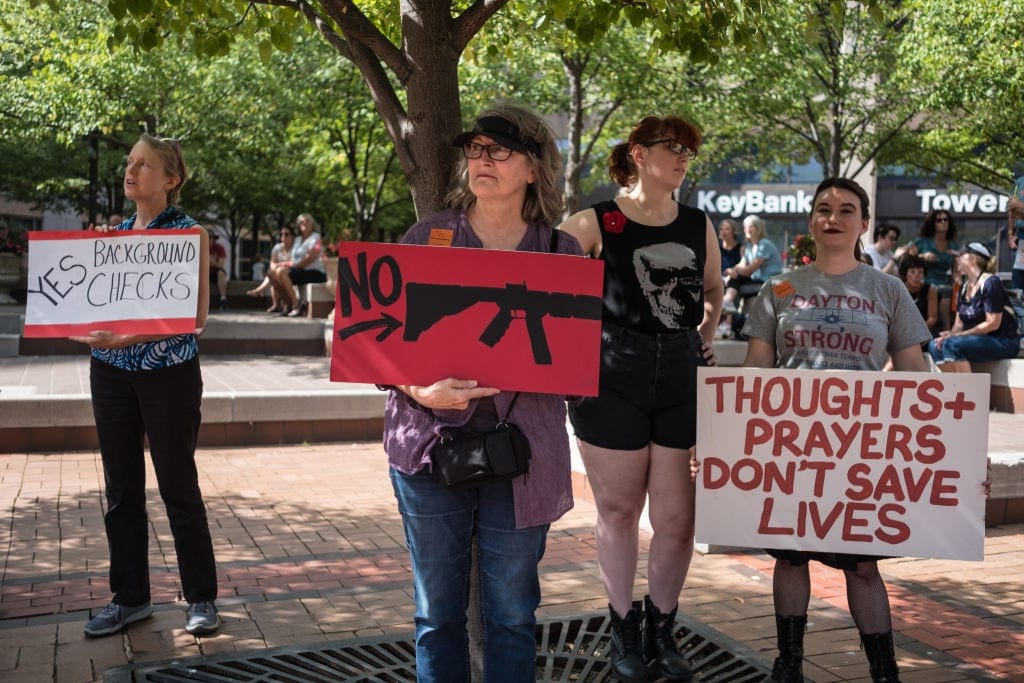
852 321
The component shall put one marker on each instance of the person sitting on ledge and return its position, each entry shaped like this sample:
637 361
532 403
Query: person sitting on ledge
279 256
986 327
304 267
760 261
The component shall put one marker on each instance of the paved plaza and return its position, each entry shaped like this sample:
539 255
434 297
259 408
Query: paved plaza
310 549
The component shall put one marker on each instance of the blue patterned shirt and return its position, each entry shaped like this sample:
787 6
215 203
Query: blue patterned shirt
164 352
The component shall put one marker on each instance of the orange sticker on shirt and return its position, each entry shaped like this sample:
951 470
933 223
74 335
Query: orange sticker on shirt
441 237
783 288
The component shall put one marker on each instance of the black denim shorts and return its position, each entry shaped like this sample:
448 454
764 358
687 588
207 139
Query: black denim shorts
648 391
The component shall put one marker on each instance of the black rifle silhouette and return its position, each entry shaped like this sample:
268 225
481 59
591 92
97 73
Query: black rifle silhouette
426 304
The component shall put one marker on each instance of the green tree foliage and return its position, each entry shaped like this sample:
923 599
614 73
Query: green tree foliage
826 84
408 54
971 55
58 87
257 139
595 92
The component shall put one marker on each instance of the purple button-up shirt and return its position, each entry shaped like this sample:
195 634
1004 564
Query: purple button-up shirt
543 494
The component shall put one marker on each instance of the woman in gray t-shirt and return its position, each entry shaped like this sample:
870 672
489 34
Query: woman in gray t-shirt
836 313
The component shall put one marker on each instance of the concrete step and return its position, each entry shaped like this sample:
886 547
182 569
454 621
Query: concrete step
227 333
9 345
10 319
247 400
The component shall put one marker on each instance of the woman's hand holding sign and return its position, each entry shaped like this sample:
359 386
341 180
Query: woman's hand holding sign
103 339
448 394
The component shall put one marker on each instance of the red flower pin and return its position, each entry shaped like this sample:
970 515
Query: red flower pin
614 222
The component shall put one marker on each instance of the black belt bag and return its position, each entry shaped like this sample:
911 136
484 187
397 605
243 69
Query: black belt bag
473 459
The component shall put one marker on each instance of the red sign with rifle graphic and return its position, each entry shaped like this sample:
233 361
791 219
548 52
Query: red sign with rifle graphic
518 321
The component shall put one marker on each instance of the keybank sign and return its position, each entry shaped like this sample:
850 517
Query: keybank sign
798 201
755 201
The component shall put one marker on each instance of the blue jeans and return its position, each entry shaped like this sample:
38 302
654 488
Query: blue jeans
439 527
976 348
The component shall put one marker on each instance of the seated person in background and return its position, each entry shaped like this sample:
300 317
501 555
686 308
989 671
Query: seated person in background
259 268
925 297
732 252
937 245
730 247
304 267
985 327
883 255
761 260
279 255
218 276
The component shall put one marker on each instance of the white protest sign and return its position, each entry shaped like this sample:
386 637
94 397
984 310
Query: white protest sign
125 281
876 463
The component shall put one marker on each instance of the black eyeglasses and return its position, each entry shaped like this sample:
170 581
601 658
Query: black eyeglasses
674 146
473 150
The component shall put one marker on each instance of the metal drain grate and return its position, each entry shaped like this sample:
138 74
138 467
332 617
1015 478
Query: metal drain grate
572 649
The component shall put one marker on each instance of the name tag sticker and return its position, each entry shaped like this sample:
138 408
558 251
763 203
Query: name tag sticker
784 288
441 237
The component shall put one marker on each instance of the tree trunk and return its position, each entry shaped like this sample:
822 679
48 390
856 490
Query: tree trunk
574 163
426 67
434 112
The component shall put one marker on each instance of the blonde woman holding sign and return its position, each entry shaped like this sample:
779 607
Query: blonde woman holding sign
151 386
780 336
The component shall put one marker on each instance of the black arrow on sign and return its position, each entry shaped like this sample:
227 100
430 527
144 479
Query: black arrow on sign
388 322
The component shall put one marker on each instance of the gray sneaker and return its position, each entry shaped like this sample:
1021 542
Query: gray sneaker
202 619
115 617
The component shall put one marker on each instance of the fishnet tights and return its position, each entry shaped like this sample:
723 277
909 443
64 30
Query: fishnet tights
865 593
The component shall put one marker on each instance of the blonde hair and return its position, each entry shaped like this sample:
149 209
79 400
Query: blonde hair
543 203
169 151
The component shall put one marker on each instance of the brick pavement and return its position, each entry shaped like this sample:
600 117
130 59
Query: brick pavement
309 548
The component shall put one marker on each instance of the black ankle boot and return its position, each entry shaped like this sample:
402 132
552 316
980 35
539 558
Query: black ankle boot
789 665
660 644
881 657
625 654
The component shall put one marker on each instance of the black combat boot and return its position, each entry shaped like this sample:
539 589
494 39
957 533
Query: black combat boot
789 665
625 655
881 657
660 644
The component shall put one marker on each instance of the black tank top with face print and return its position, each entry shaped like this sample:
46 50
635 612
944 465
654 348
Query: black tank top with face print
653 275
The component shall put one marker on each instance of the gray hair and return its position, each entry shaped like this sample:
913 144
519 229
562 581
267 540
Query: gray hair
757 222
309 219
543 203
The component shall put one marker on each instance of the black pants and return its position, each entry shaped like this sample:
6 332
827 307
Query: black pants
163 405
